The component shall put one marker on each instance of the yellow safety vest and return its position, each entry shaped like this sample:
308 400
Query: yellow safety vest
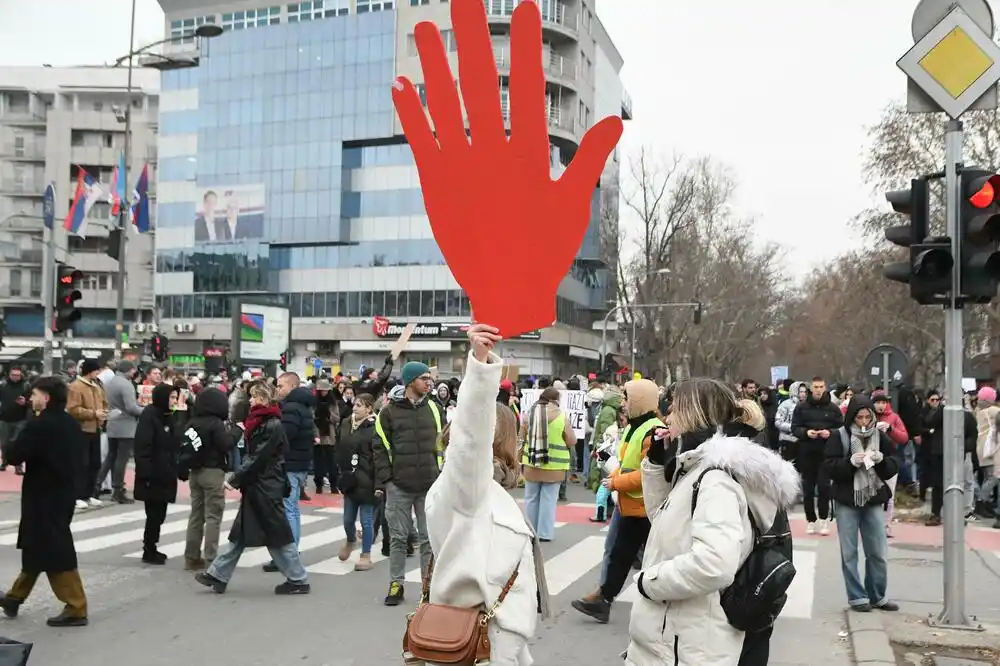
437 444
559 457
630 449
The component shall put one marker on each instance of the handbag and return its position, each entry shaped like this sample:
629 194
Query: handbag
443 634
14 653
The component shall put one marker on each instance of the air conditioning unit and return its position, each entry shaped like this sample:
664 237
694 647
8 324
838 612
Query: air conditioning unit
188 327
178 328
139 327
152 328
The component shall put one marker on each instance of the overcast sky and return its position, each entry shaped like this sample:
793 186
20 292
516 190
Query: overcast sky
781 90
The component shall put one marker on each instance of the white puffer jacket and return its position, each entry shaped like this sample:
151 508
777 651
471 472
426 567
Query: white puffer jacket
678 619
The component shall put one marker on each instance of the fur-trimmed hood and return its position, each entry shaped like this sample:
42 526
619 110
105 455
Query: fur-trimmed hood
769 481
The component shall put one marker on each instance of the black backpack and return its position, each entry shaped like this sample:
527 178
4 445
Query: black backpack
760 589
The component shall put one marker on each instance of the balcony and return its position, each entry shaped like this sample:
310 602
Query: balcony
17 296
561 125
23 118
21 189
626 106
557 18
558 69
23 152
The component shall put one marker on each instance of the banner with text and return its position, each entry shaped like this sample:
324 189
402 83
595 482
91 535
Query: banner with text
572 404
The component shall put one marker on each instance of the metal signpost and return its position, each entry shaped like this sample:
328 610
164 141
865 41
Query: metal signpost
885 364
48 273
953 67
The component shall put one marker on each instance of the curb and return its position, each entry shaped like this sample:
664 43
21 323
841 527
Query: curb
869 640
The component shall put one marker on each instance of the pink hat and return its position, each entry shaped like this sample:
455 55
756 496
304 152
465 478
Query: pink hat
987 394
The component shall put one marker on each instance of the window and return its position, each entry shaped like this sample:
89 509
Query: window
36 283
500 7
182 31
422 92
374 5
98 106
15 282
447 36
317 9
250 18
417 3
107 140
19 146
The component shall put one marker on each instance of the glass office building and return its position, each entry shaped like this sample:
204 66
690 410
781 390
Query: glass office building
283 174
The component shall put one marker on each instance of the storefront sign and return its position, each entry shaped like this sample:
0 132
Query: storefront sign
383 327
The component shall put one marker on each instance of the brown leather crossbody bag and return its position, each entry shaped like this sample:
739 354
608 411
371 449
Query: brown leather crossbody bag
442 634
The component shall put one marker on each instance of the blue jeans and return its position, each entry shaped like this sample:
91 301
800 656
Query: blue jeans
870 524
540 501
297 480
905 456
285 558
609 542
353 510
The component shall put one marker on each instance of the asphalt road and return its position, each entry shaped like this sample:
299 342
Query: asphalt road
158 616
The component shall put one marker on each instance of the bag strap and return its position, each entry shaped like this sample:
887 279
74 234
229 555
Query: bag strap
425 593
697 486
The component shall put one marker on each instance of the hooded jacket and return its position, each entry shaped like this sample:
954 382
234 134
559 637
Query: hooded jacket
841 470
300 428
813 414
156 449
690 559
205 442
643 398
783 417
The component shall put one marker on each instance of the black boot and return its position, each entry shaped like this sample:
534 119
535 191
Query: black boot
599 609
152 556
600 517
119 496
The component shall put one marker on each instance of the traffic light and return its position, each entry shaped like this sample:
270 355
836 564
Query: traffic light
67 294
979 225
928 270
159 345
283 361
697 314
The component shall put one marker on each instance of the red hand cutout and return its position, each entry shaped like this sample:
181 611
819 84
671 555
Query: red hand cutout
491 200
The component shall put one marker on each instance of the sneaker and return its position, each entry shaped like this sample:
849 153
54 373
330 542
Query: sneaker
396 595
346 550
93 502
887 606
289 588
64 619
81 505
208 580
10 606
599 609
364 563
862 608
824 528
811 528
120 497
270 567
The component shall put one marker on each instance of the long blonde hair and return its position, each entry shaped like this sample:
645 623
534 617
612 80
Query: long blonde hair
751 414
506 466
702 403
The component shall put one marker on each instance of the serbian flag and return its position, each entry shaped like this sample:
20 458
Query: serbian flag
118 187
88 192
140 201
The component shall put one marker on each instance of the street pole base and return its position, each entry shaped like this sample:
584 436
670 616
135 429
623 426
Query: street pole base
945 621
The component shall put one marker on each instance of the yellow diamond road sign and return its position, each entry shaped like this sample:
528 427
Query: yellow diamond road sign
955 63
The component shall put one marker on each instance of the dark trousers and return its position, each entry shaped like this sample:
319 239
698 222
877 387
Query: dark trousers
119 451
88 464
814 482
580 452
756 648
324 465
156 513
632 533
935 477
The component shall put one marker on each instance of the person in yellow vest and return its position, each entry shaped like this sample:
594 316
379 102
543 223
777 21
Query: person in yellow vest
629 524
547 438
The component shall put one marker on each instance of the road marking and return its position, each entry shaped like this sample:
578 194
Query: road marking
253 557
177 548
334 567
570 565
102 522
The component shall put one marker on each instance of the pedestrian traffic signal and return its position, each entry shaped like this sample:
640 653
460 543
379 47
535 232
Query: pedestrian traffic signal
67 294
697 314
159 346
929 268
283 361
979 225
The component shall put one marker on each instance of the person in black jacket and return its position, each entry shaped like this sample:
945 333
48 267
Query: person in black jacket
263 487
48 444
203 462
14 403
327 419
859 462
769 404
372 381
156 450
813 422
297 405
357 479
932 441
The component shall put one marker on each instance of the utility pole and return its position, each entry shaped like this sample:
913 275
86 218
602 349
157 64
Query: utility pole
48 274
125 207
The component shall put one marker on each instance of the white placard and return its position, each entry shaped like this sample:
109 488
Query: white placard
572 403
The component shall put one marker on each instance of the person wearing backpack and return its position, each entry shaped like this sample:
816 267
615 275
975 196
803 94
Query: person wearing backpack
716 542
860 462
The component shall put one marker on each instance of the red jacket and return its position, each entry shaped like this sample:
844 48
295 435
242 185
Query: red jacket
897 431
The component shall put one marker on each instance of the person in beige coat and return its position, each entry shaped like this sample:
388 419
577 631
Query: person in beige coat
986 413
88 405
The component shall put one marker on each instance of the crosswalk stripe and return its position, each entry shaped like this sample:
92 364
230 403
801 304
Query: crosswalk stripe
135 535
102 522
334 567
571 564
416 575
177 548
257 556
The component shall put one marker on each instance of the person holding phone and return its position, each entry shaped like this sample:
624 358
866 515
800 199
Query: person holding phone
13 410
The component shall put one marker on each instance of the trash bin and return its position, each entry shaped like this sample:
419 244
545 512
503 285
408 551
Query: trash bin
14 653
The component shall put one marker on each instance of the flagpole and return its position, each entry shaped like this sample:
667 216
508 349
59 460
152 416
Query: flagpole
125 205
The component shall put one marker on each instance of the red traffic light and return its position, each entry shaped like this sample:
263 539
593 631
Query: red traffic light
986 195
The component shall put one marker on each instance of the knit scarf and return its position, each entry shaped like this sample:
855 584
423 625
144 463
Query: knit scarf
538 435
357 424
259 415
866 481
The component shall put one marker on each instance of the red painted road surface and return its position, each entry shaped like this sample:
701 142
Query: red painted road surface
978 536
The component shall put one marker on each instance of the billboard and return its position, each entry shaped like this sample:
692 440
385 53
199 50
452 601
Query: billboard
262 332
229 212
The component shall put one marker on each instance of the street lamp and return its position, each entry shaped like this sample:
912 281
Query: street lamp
206 31
617 308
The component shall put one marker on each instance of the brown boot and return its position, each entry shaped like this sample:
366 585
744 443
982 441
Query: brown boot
345 552
194 564
364 563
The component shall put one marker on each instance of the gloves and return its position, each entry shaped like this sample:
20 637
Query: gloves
877 457
657 452
858 459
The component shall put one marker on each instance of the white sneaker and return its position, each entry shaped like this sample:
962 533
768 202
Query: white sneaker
80 504
811 528
824 527
94 502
